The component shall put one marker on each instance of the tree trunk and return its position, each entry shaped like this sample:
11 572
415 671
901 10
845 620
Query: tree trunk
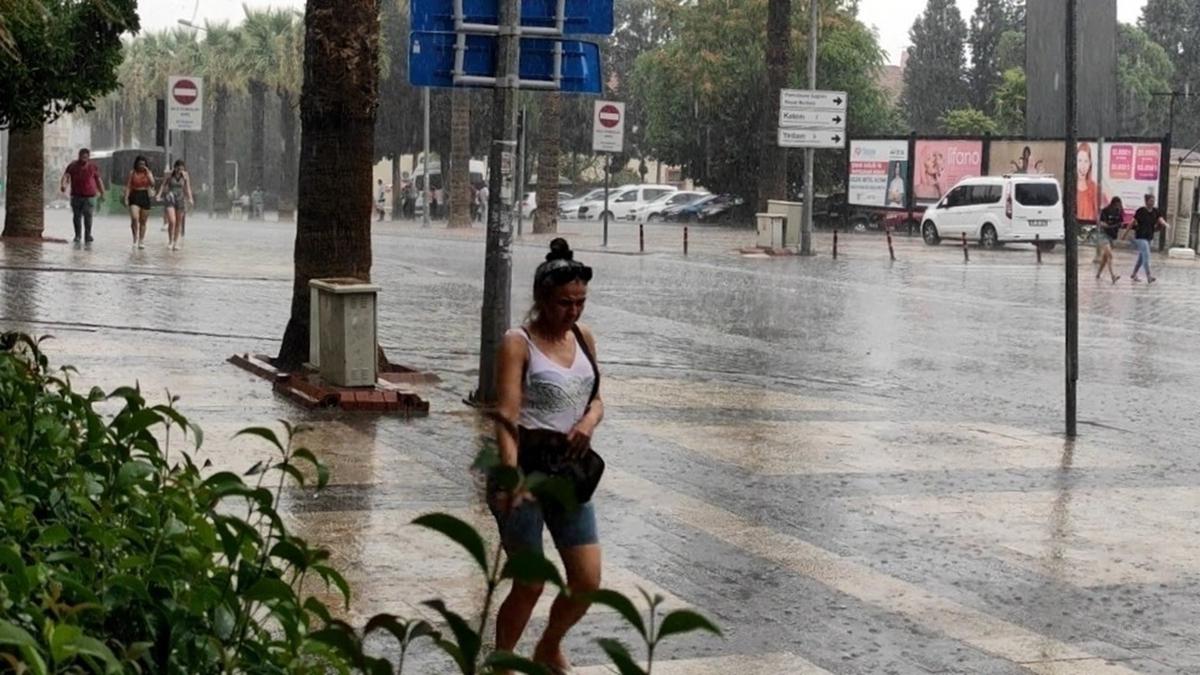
337 120
220 171
772 170
545 218
287 173
24 216
459 194
255 178
397 195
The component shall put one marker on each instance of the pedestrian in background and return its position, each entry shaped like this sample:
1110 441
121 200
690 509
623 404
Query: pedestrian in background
1111 219
138 187
176 194
381 200
1147 221
86 186
549 407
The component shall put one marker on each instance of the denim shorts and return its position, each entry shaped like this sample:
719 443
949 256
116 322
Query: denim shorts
521 528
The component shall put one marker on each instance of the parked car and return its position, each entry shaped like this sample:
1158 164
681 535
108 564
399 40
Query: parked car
686 213
529 203
994 210
570 207
623 200
653 211
724 209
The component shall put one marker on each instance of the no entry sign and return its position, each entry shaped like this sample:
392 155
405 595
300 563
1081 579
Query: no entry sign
608 127
185 103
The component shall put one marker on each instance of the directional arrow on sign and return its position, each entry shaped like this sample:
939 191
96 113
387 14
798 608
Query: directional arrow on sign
811 119
811 138
805 99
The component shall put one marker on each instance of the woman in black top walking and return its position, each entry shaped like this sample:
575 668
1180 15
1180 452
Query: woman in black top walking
1111 219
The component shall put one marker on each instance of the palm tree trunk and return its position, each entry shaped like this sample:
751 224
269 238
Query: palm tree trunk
459 194
258 122
545 218
221 186
24 216
772 170
287 126
337 120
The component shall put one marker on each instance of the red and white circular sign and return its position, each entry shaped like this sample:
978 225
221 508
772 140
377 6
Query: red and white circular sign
609 116
185 92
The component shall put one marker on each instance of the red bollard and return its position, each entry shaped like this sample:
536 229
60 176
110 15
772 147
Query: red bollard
966 253
685 239
641 238
1037 244
835 237
891 249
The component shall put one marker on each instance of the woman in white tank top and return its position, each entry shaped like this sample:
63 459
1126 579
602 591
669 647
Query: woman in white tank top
546 381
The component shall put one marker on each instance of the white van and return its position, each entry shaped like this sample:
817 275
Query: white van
995 210
623 200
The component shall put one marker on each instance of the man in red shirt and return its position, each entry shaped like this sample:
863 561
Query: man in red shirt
84 179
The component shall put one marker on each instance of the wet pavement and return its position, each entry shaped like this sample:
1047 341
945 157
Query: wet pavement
853 465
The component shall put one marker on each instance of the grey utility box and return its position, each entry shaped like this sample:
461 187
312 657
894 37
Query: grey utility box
342 332
794 213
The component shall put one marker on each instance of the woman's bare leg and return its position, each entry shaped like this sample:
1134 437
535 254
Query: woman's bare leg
514 614
582 564
143 217
134 217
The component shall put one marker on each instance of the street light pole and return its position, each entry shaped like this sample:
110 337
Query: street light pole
814 22
497 274
426 191
1070 229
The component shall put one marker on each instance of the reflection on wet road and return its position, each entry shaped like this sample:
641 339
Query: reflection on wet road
853 466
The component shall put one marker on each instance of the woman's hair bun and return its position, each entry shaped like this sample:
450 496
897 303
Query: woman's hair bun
560 250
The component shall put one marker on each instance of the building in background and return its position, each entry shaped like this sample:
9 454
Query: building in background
1096 68
63 138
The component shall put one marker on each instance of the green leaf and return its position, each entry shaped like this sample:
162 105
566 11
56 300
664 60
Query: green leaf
624 606
291 470
331 575
269 589
530 567
340 639
54 535
684 621
511 662
286 550
11 560
134 471
457 531
13 635
404 632
553 490
620 657
465 638
258 468
322 470
263 433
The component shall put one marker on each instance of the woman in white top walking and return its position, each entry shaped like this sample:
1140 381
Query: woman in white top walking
547 383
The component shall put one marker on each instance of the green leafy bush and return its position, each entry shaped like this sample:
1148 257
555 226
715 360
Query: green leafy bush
119 556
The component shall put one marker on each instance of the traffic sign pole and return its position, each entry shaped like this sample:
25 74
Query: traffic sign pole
814 24
607 176
497 274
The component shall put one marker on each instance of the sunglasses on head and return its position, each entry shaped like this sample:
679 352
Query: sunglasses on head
565 271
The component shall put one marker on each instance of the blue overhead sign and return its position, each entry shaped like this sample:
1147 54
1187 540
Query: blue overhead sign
580 17
431 61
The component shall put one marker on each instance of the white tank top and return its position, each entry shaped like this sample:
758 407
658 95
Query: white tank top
555 397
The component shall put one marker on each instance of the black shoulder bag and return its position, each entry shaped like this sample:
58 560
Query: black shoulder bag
546 452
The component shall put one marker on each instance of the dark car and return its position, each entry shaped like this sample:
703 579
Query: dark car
725 208
686 213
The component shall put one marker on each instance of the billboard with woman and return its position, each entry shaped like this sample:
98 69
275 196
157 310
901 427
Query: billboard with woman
942 164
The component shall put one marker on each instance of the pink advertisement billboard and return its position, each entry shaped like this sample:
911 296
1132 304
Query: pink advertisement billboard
1131 171
942 164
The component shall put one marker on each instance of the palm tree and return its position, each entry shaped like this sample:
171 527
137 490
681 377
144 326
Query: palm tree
545 218
460 158
288 82
225 76
338 101
261 53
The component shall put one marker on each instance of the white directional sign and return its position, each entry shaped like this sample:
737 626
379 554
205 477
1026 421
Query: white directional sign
812 119
185 103
811 138
608 127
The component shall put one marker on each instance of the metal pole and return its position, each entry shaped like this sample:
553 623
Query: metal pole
425 191
497 269
607 173
1070 233
521 136
814 22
